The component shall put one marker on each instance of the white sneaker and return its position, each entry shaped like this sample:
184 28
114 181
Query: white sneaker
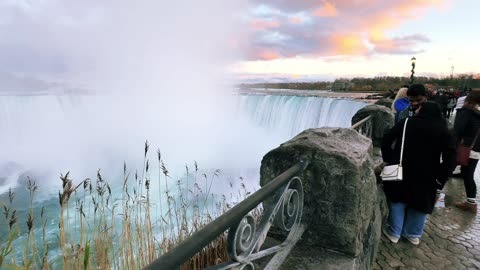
414 240
390 237
457 170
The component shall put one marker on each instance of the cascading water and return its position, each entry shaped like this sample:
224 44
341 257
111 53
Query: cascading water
35 127
292 114
260 124
42 128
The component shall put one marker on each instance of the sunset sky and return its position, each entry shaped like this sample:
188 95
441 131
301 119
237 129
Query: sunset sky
333 38
108 41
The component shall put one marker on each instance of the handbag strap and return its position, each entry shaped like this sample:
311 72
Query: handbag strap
475 139
403 142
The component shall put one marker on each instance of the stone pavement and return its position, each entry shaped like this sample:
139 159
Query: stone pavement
451 239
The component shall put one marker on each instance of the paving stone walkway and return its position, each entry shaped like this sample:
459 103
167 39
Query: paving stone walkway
451 239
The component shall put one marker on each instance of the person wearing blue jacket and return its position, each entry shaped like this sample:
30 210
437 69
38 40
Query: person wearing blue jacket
400 102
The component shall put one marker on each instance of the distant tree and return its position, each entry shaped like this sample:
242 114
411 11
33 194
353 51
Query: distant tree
379 83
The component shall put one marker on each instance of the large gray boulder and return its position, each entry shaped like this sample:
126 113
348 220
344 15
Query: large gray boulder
341 201
382 120
386 102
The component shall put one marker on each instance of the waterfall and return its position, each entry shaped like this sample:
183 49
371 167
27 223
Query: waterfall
293 114
45 135
23 118
82 133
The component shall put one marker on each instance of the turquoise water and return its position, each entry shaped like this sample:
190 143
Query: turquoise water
50 135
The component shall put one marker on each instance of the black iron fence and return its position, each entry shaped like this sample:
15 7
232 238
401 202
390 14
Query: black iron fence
246 235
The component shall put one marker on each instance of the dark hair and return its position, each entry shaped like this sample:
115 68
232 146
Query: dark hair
473 97
416 90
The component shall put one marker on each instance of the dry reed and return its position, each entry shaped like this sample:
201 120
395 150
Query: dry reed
98 231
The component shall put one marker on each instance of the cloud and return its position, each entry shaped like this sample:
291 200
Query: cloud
400 45
280 78
338 27
296 20
264 24
268 55
348 44
328 10
118 36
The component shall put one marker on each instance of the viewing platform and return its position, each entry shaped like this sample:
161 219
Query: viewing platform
451 239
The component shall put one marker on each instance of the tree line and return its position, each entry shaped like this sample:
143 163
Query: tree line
381 83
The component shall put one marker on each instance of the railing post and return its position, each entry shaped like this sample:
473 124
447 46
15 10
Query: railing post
381 120
342 201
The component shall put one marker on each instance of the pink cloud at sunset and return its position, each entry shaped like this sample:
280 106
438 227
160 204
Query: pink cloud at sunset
348 44
400 44
264 24
337 27
268 55
296 20
328 10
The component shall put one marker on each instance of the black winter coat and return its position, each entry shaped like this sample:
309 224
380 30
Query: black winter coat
426 139
467 122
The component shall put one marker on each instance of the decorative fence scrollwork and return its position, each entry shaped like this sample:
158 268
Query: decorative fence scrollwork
283 198
285 213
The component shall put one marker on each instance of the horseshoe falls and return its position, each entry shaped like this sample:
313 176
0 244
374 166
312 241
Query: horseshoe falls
51 134
43 136
289 115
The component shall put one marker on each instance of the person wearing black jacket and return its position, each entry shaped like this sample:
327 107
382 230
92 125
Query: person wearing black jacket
417 95
466 126
426 139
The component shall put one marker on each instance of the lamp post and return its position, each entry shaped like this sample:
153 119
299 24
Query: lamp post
413 69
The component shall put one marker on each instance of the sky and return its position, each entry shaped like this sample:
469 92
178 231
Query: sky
103 42
345 38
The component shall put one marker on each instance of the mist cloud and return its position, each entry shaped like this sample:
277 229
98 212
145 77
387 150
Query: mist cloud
98 42
157 70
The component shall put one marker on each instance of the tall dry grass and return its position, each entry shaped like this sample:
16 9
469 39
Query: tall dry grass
99 231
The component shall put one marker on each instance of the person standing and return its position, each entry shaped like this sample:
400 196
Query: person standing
442 100
417 95
460 102
400 102
467 126
412 199
451 104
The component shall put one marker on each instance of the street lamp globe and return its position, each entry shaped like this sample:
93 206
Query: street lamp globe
413 60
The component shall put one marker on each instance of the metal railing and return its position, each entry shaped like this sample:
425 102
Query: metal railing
245 235
364 126
245 238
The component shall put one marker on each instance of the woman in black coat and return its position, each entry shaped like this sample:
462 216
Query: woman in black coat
426 140
467 124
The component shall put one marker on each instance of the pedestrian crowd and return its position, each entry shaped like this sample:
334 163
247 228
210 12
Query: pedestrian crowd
428 150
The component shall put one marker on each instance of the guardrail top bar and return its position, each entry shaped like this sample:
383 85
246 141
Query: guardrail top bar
198 240
359 123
